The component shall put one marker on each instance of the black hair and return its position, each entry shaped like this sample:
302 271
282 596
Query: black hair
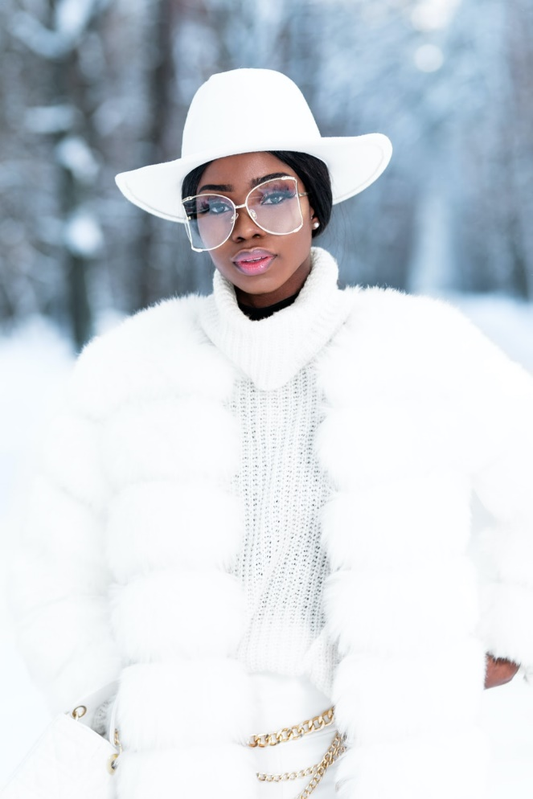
192 179
313 173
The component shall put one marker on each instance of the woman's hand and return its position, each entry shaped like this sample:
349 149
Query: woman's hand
499 671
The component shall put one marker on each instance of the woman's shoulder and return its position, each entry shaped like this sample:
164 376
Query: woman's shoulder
417 332
410 309
147 327
140 357
393 315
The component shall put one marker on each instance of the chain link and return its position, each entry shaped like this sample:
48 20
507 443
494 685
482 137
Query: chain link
292 733
316 772
334 751
288 775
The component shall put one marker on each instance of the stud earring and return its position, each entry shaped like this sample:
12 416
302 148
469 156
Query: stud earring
316 224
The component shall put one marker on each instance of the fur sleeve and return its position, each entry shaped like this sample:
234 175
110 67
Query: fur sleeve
58 580
502 426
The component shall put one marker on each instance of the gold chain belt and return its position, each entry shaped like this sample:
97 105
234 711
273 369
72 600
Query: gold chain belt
335 750
292 733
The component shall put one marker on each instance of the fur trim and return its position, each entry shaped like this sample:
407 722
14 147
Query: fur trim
374 695
71 460
409 608
215 703
158 352
192 525
388 523
170 613
436 766
56 522
226 771
170 440
69 649
506 621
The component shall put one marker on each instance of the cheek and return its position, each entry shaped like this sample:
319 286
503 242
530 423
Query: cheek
221 261
302 240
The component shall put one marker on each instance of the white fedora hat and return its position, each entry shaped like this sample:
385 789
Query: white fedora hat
253 110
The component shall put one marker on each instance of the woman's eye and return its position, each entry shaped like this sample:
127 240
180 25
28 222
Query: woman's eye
214 207
218 207
276 197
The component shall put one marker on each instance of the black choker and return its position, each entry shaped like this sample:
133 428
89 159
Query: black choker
256 314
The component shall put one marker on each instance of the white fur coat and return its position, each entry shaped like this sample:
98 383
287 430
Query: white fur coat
132 529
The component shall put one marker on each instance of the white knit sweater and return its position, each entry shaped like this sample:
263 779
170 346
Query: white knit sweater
281 563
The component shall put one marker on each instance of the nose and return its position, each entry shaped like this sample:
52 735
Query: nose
245 227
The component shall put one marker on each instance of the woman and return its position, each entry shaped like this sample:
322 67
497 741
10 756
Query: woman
258 504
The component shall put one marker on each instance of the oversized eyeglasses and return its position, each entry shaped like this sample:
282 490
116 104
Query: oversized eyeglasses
273 205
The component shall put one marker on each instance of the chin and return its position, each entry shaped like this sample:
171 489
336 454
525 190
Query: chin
258 284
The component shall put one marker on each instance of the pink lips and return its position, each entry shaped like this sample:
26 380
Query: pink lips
253 262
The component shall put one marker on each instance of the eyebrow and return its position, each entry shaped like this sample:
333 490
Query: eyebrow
253 183
257 181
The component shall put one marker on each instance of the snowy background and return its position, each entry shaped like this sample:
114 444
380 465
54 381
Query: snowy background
89 88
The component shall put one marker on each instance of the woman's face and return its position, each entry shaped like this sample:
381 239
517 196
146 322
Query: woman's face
263 267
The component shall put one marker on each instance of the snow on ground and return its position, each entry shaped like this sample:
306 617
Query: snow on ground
34 362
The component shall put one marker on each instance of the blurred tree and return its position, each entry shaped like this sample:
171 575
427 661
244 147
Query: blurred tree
160 29
493 147
60 36
89 88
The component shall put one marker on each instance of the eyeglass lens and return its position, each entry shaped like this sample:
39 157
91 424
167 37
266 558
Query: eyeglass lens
273 205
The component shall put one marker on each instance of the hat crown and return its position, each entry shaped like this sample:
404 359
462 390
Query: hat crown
247 111
244 109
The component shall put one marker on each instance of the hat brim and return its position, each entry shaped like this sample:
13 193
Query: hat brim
354 162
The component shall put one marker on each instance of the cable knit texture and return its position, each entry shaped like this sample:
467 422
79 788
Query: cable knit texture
133 559
281 563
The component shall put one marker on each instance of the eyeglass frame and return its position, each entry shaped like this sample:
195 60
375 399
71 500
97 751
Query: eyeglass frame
250 212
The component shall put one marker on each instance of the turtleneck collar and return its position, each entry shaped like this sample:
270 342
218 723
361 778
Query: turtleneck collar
271 351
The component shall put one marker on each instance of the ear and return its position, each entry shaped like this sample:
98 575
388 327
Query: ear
315 223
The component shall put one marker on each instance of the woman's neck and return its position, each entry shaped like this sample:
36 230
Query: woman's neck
256 314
